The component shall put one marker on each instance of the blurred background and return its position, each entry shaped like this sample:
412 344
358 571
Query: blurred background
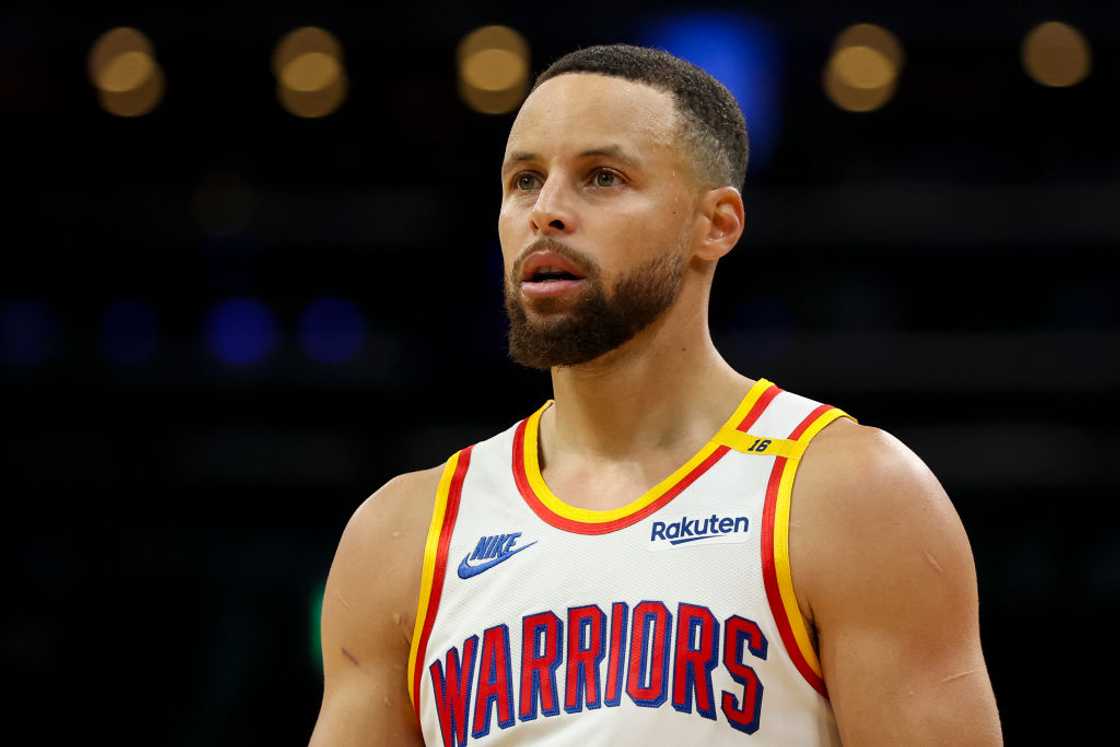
251 272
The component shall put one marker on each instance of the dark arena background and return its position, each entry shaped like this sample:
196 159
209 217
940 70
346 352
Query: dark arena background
251 272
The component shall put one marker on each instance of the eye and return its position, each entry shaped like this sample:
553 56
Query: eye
525 181
605 178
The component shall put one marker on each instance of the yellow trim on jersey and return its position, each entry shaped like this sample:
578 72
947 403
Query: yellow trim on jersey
431 550
593 516
748 443
781 538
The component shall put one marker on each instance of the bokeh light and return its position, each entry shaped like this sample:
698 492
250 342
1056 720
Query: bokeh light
739 52
241 331
332 330
862 72
28 333
129 332
1056 55
493 69
310 73
123 68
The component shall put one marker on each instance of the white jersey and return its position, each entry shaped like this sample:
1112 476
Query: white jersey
669 621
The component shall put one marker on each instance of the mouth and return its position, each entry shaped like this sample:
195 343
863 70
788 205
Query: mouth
548 274
549 287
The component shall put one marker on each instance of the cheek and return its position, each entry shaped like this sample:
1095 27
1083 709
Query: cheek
637 235
508 239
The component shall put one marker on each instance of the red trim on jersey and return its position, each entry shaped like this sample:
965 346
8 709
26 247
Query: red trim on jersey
769 573
606 527
759 407
454 491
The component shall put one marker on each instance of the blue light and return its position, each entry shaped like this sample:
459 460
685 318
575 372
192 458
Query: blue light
332 330
741 53
241 331
28 333
129 333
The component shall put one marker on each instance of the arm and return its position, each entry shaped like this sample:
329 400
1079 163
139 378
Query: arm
884 573
369 607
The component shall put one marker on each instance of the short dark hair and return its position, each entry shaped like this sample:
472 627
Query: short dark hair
713 124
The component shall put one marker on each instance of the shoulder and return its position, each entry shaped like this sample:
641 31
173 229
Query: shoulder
374 579
398 505
884 575
369 613
865 505
862 474
391 525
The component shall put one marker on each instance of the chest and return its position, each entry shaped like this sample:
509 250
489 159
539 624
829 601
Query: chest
551 623
703 540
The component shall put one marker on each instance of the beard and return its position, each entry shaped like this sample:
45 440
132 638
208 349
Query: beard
572 332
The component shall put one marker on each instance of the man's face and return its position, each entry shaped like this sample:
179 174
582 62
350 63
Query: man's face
595 219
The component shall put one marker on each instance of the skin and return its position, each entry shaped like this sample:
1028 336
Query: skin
881 563
369 609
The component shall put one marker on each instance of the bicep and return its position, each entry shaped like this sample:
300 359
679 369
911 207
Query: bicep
368 607
895 606
367 712
909 680
365 697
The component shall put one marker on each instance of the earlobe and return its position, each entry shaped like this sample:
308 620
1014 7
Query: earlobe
725 223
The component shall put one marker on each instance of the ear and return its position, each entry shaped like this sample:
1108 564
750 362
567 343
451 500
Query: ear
723 222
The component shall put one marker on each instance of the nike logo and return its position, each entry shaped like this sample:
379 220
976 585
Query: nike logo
491 551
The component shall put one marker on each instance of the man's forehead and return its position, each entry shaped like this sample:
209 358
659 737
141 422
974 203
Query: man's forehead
576 111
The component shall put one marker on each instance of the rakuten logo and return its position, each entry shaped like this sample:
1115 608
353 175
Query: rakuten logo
712 529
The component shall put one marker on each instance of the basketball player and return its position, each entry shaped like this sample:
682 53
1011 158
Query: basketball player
634 563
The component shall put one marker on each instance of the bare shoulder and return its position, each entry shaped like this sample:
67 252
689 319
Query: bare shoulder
382 546
369 608
861 467
868 479
884 575
863 498
399 509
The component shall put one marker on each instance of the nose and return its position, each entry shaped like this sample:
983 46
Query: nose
551 214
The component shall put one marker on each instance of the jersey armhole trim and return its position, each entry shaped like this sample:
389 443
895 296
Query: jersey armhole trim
444 512
777 573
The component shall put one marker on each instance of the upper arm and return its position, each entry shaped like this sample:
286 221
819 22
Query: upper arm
369 605
886 573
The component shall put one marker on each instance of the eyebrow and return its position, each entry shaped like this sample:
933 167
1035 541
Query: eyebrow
611 151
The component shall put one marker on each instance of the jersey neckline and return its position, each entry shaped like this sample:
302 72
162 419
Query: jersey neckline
563 515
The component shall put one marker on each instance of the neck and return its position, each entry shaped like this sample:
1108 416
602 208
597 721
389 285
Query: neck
668 388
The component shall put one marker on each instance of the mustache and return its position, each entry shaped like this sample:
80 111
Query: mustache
585 264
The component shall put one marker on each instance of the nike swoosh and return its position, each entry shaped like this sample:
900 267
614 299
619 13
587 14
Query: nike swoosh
466 570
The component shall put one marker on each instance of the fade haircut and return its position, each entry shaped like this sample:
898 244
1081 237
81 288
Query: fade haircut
712 125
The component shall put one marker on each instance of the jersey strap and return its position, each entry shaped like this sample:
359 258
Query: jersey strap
562 515
444 513
775 545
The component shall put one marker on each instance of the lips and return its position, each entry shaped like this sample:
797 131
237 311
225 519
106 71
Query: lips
548 275
547 266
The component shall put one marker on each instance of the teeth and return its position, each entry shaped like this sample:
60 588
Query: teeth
547 270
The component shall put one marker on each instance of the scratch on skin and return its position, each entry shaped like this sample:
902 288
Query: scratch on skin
351 657
343 600
933 561
952 677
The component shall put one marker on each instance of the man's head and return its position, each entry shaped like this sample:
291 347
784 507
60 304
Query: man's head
620 185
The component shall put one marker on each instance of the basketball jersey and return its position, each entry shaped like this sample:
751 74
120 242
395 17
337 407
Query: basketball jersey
670 620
